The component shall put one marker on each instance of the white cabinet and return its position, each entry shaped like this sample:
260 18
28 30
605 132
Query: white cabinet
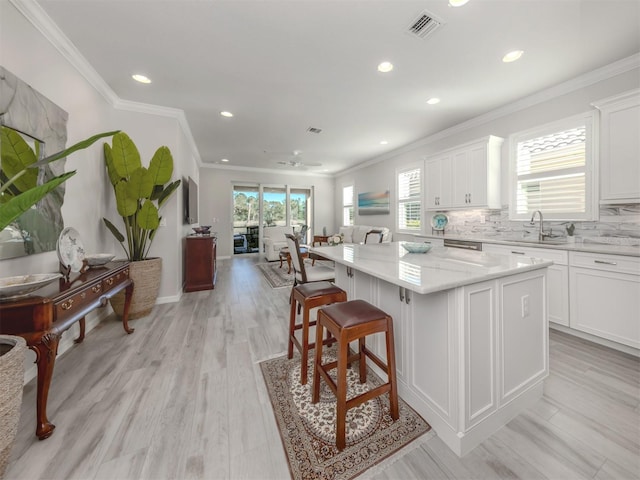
557 276
438 182
470 172
620 148
605 296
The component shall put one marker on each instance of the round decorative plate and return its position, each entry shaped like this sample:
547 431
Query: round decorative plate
439 221
70 249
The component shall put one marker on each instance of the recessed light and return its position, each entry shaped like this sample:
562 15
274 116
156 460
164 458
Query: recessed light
226 114
141 78
225 160
512 56
383 142
433 101
457 3
385 67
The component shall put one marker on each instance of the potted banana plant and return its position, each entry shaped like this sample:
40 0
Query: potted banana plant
140 193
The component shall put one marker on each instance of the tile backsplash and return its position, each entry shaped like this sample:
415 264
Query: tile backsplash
618 224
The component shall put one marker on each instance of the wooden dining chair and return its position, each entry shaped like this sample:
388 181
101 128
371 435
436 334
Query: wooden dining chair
316 273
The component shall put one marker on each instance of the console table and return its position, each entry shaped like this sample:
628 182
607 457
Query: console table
42 318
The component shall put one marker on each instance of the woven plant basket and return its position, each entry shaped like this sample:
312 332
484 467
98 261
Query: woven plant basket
146 276
12 357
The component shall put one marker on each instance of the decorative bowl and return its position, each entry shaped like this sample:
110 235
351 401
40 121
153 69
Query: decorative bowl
412 247
97 259
202 229
22 285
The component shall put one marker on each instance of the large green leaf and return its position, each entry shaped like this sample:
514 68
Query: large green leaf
140 184
16 206
161 166
126 158
166 193
111 171
17 156
74 148
126 205
148 218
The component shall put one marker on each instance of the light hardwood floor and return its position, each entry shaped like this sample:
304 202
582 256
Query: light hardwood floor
183 398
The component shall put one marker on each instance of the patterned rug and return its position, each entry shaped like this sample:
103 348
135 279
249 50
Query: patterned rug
276 276
308 430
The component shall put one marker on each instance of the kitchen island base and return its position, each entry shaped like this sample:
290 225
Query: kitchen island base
469 358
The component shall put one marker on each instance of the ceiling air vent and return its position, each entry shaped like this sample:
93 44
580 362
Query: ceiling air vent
314 130
424 25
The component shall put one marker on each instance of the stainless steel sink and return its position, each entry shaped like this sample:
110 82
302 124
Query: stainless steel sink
537 242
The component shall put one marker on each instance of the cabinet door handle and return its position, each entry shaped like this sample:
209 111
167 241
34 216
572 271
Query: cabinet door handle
67 305
407 297
517 253
605 262
401 293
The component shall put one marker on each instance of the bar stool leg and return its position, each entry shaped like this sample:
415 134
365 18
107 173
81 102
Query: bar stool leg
391 371
362 362
305 346
317 361
341 393
292 325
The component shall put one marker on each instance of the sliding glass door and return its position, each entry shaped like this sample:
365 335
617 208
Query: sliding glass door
257 206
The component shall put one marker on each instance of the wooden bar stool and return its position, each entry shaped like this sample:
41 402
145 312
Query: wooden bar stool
347 322
309 295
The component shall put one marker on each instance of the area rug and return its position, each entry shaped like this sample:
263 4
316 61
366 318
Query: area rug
308 430
276 276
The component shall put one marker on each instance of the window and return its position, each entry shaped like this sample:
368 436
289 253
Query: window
410 199
347 205
552 171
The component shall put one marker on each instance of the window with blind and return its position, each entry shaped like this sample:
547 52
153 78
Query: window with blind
347 205
410 199
552 171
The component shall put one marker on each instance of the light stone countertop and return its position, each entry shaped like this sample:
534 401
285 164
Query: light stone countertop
556 244
437 270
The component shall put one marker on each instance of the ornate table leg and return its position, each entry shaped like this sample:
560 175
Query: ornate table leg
81 336
289 263
128 294
46 351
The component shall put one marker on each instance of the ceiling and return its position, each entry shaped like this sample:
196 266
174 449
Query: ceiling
282 67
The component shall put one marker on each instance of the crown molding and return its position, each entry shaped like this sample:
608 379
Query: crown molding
35 14
600 74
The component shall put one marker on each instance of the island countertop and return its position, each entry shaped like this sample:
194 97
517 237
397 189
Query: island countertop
439 269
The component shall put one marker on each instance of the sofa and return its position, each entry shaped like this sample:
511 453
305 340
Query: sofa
273 239
356 233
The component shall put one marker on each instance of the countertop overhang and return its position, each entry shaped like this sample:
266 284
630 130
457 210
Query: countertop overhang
439 269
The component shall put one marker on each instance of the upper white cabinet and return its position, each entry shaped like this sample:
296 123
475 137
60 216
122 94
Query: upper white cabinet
620 148
467 176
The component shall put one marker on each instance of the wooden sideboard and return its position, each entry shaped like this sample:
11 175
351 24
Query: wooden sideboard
43 317
200 263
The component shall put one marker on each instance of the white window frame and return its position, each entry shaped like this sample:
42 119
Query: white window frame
412 199
346 207
590 121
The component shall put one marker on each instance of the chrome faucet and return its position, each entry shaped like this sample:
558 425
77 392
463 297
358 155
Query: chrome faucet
541 233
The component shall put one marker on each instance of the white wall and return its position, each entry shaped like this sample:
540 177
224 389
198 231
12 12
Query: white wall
378 174
33 58
215 190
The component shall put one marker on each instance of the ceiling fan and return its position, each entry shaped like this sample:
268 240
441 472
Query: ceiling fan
296 161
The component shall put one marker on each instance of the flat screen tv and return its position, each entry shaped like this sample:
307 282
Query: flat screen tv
192 202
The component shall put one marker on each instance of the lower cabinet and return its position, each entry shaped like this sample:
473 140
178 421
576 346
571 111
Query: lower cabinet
557 277
200 263
605 296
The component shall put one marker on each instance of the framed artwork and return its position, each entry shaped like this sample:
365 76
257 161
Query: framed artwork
373 203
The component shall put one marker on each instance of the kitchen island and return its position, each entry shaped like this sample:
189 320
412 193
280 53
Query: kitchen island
471 331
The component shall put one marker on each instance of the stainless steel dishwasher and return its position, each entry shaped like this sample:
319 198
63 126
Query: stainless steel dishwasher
466 244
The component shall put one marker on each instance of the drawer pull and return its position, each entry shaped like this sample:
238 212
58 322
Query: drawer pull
109 281
605 262
96 288
67 305
517 253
